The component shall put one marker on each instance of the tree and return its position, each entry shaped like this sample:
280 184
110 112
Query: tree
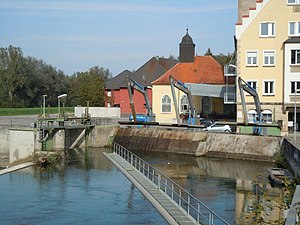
221 58
208 52
11 74
89 86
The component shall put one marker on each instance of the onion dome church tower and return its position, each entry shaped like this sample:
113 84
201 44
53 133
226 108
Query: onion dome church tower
186 49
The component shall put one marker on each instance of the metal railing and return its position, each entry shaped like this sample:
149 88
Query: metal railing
184 200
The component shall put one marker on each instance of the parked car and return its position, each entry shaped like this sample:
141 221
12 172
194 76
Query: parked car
205 122
139 118
218 128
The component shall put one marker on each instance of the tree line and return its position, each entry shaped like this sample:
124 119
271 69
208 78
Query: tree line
24 81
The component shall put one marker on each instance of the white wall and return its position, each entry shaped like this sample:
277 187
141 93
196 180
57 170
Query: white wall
102 112
290 76
21 144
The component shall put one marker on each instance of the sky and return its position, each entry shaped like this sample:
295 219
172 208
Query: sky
75 35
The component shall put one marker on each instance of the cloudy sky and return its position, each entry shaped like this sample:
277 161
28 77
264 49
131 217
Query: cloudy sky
74 35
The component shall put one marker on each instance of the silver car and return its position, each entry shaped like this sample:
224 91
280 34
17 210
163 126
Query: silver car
218 128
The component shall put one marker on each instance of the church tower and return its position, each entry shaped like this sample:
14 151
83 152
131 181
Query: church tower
186 49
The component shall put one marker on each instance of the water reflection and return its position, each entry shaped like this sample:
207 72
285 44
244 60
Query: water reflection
227 186
87 189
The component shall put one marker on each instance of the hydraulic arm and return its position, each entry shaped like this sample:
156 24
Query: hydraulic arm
131 85
244 86
179 85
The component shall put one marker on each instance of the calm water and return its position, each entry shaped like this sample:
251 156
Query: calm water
90 190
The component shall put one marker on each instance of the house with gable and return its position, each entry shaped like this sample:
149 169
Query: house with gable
268 58
190 70
116 89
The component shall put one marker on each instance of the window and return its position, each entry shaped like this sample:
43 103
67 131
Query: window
252 115
184 104
268 87
252 58
294 28
295 85
253 84
269 58
267 116
267 29
166 104
295 57
293 1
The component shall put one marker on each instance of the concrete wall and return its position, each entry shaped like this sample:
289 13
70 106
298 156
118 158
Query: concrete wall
21 144
99 112
100 135
199 143
4 140
292 154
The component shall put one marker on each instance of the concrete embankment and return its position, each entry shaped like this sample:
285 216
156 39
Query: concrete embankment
20 143
199 143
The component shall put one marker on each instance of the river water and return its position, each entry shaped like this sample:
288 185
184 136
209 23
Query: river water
88 189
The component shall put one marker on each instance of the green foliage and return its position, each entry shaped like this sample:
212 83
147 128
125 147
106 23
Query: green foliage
89 87
11 74
279 160
221 58
24 81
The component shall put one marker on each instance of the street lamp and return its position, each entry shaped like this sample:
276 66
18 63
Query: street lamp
295 112
62 96
44 105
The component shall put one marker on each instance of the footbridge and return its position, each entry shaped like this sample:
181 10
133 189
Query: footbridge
174 203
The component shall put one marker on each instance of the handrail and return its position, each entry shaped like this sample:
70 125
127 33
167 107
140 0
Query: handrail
184 200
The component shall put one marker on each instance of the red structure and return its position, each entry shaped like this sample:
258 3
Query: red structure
116 89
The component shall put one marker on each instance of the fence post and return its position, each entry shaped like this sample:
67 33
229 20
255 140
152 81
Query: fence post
158 180
179 201
166 185
189 200
198 213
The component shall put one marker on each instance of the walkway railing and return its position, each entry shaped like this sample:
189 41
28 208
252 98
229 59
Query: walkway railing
184 200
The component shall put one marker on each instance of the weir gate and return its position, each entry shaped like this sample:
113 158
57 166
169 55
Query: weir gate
174 203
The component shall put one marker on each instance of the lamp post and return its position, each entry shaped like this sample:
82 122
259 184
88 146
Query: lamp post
62 96
44 105
295 113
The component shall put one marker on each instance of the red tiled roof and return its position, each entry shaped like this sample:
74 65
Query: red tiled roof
204 69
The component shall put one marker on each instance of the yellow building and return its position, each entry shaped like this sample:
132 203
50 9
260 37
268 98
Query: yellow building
268 58
190 69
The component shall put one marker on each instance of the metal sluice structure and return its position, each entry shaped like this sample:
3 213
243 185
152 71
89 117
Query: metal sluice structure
190 205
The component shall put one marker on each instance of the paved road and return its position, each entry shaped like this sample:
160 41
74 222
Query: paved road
24 121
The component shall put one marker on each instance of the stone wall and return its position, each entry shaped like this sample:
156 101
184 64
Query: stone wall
199 143
292 154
